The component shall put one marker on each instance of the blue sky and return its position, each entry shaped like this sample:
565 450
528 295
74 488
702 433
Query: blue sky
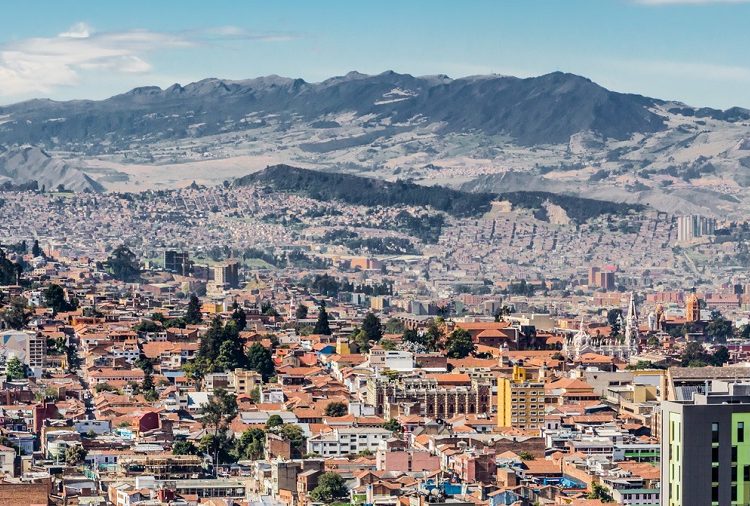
690 50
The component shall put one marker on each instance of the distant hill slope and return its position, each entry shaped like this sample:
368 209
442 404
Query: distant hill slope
24 165
536 110
367 191
357 190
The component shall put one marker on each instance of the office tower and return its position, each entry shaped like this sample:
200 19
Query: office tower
177 262
706 448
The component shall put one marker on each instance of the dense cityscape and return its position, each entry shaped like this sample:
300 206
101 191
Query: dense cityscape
298 360
387 253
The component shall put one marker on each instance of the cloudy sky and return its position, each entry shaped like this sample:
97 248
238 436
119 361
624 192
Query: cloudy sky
690 50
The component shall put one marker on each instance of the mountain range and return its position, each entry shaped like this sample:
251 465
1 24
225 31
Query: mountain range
558 133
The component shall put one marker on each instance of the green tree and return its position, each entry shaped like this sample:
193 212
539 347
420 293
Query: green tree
16 314
599 492
693 355
260 359
322 325
613 318
36 251
74 455
336 409
720 356
193 314
218 413
525 456
239 317
54 297
719 329
372 327
387 344
14 369
459 344
122 264
250 445
274 421
10 272
293 434
331 486
393 425
301 312
184 448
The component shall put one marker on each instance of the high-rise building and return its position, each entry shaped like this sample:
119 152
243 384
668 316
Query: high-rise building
520 403
607 280
177 262
227 274
693 226
594 276
705 448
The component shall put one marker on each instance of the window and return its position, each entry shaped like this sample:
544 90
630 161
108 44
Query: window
746 473
715 474
734 454
715 454
714 432
734 473
715 493
734 492
740 432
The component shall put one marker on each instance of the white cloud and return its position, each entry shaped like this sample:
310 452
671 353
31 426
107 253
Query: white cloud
39 65
79 30
689 2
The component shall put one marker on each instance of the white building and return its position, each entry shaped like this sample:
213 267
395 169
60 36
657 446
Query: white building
26 346
347 441
394 360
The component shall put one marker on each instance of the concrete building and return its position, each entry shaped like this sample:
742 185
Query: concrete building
347 441
177 262
706 448
437 396
520 403
227 274
393 360
26 346
694 226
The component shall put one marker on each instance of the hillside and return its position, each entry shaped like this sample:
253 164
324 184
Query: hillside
357 190
364 191
28 166
557 133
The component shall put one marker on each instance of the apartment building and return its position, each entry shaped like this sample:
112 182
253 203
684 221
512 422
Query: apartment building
520 402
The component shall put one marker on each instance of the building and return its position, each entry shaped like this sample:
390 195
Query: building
245 381
177 262
582 342
520 403
28 347
436 396
227 274
394 360
706 448
694 226
692 308
347 441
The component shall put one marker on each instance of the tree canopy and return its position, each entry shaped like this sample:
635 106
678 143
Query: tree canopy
322 325
459 344
122 265
331 486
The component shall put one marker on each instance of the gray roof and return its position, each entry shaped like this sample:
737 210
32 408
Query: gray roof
699 373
